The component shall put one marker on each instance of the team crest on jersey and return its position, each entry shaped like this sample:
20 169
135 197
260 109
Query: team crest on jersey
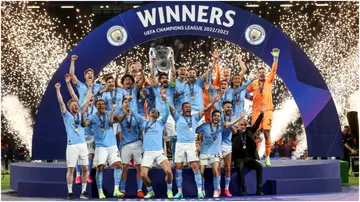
117 35
255 34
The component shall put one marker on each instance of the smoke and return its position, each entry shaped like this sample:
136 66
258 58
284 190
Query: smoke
19 119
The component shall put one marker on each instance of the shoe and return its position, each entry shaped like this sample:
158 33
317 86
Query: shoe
89 179
123 194
227 193
267 161
101 195
179 195
118 194
169 194
150 195
78 180
219 191
140 194
259 193
201 195
216 194
244 193
70 196
84 195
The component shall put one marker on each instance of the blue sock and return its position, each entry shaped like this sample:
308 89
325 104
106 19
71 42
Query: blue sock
169 186
90 164
227 183
139 184
122 185
203 184
117 177
198 180
179 180
78 169
217 182
99 179
149 189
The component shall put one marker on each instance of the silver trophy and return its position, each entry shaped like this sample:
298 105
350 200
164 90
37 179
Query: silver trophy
162 55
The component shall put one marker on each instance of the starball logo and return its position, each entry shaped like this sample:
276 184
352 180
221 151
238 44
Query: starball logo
185 13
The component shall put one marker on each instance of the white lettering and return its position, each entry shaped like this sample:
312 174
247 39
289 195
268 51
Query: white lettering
186 12
148 18
202 14
216 14
161 15
229 18
170 13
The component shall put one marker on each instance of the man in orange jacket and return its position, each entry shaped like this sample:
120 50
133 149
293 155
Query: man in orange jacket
262 93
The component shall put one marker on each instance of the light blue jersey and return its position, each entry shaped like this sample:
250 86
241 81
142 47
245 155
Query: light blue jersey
193 94
160 105
179 100
89 129
153 131
211 138
71 122
227 133
239 102
113 97
133 91
83 89
185 127
103 131
141 102
130 130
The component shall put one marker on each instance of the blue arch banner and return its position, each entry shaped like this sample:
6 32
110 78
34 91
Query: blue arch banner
219 20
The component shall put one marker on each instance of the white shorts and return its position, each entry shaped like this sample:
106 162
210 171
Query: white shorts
225 150
205 159
76 153
169 126
117 128
149 157
185 152
90 141
107 154
132 150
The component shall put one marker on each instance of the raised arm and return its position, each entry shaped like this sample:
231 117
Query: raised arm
173 71
72 69
60 99
209 106
233 122
275 53
70 88
242 65
153 81
111 117
245 85
137 116
258 120
215 56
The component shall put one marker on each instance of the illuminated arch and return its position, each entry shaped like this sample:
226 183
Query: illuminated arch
299 74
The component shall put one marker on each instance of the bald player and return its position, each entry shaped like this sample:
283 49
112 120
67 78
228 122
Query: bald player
262 94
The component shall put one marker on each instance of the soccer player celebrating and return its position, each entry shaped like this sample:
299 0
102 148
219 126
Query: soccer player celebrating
185 146
106 150
153 147
76 147
210 137
89 79
131 146
262 93
89 134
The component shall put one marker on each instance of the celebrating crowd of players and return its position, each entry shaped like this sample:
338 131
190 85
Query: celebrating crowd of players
113 123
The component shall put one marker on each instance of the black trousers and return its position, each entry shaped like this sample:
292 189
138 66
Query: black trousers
252 164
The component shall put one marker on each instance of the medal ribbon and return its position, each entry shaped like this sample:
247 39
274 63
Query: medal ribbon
243 139
128 122
87 111
214 134
113 98
148 127
189 123
76 120
191 87
102 120
261 87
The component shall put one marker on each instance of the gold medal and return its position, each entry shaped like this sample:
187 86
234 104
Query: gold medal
244 147
190 129
163 102
192 97
76 129
102 129
237 103
129 130
214 142
140 100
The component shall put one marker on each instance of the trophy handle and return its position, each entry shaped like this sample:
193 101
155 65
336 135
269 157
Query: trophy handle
151 51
